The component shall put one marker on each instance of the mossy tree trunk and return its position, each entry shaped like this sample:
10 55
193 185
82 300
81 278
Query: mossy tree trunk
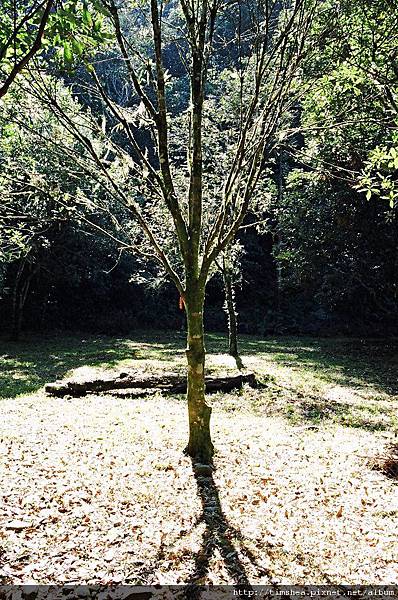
200 445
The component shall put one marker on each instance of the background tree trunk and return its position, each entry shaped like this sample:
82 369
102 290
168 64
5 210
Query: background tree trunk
16 320
20 293
200 445
231 312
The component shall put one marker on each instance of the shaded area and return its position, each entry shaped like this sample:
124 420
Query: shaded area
219 535
344 361
387 463
25 366
351 382
298 373
365 416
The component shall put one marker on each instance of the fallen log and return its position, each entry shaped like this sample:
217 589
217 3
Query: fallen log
172 383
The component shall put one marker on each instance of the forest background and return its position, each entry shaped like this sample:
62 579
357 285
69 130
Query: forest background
319 253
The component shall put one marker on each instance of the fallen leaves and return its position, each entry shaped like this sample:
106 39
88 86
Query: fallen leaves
97 491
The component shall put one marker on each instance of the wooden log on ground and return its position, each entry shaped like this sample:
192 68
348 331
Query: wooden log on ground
172 383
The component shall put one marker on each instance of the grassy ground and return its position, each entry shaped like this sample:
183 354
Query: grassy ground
97 489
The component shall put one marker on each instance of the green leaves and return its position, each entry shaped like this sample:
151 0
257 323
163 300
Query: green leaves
87 18
36 186
73 29
67 53
77 47
378 178
79 30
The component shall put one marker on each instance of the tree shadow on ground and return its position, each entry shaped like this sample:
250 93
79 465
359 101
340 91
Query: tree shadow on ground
366 417
343 361
219 535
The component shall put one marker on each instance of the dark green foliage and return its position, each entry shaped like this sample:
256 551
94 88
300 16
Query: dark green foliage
337 255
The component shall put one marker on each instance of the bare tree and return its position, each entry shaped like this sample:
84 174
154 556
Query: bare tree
169 186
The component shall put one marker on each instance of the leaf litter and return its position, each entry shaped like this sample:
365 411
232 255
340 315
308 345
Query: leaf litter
97 490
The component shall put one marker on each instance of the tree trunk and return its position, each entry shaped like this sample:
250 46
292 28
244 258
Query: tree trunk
16 303
231 313
19 298
200 445
18 318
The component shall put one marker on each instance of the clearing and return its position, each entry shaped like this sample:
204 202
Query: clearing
97 490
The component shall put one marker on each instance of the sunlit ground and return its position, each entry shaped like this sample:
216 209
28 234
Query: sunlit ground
97 489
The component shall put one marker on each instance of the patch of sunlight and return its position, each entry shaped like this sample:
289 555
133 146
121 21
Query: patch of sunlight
21 376
221 360
343 394
123 362
308 349
255 362
85 372
17 364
